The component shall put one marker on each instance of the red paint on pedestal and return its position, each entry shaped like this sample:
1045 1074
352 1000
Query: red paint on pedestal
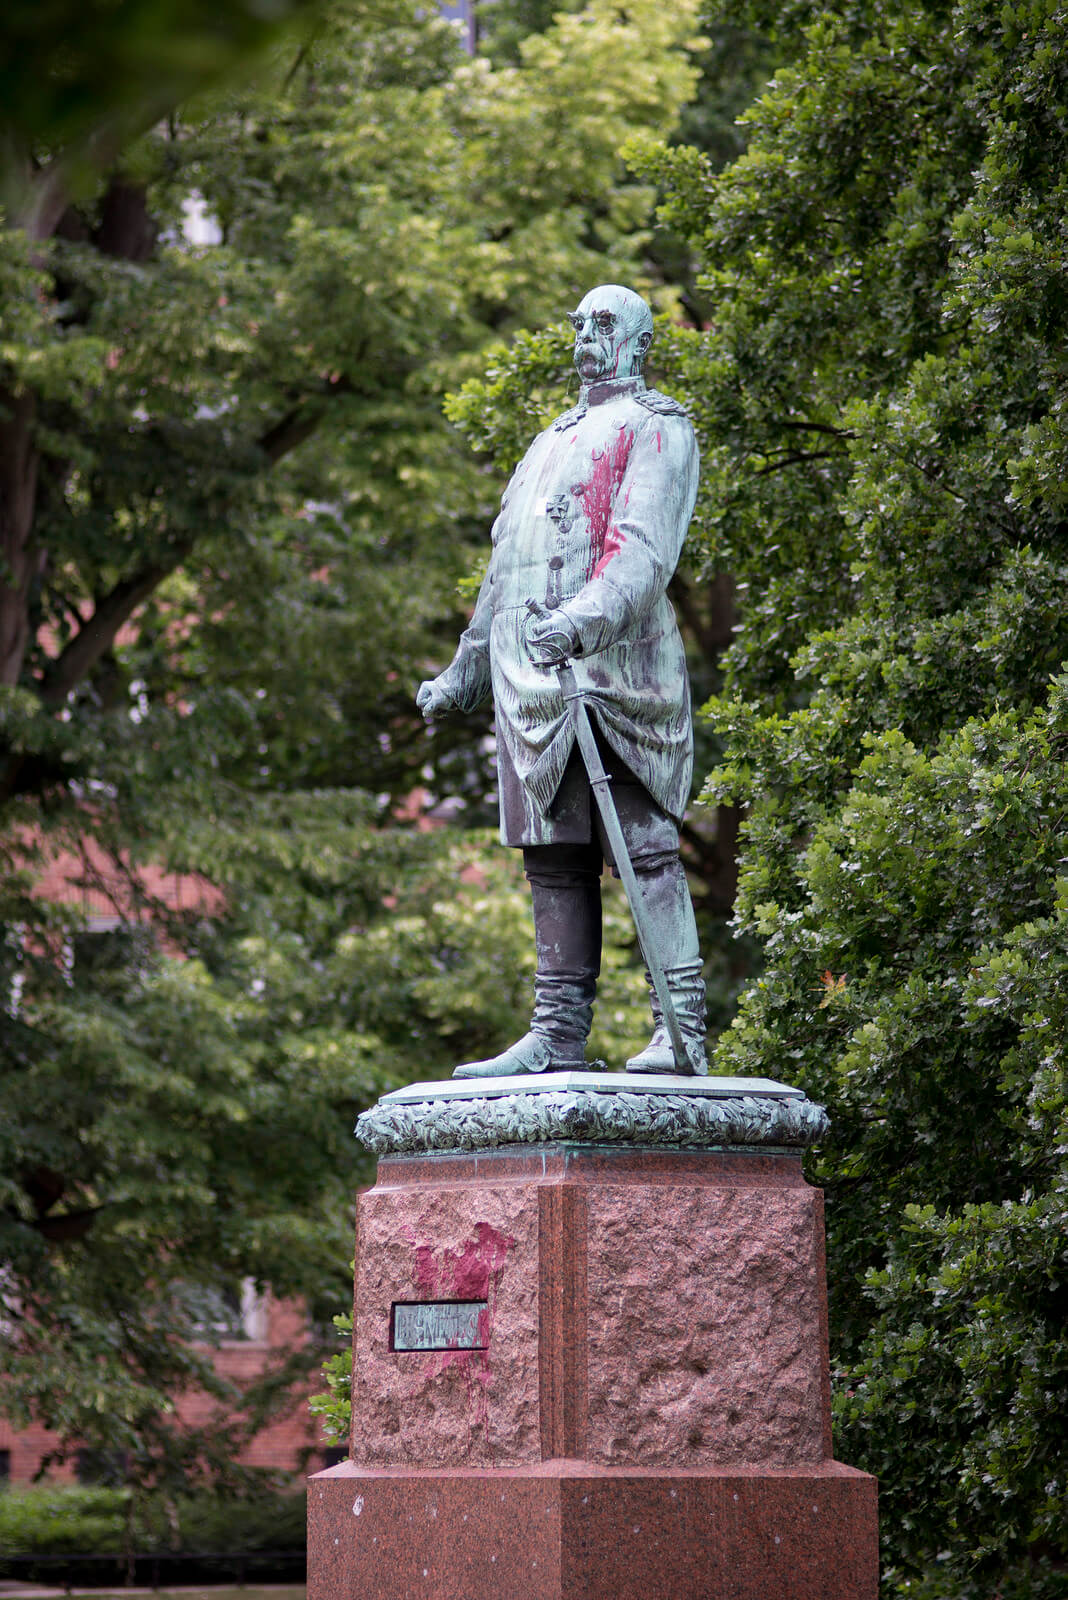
652 1407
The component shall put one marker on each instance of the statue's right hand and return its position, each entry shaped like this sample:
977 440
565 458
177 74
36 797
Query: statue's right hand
432 699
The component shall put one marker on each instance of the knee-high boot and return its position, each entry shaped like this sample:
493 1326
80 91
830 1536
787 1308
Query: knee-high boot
566 895
670 911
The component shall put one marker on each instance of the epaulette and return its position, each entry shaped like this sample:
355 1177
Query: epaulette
662 404
569 418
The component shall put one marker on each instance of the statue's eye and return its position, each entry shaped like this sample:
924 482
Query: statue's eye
575 320
606 321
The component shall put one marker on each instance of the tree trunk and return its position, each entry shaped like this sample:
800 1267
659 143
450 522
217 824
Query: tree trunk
125 231
20 560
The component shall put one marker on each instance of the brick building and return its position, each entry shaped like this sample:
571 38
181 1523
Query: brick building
265 1331
247 1338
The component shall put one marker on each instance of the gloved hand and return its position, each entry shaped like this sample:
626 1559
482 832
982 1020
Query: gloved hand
432 700
550 636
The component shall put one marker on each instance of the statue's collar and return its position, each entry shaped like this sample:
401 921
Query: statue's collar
595 394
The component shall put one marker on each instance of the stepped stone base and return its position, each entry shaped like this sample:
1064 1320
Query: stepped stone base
562 1530
590 1354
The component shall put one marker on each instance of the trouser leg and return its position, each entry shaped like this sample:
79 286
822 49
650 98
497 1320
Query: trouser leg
667 895
566 897
653 845
565 890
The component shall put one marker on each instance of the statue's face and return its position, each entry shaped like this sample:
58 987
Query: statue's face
609 339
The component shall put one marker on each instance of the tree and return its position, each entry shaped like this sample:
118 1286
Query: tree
881 402
234 519
77 81
880 399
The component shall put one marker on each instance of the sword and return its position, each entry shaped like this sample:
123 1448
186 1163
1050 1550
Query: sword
601 784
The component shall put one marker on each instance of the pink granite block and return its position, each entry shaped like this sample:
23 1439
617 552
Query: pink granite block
450 1407
400 1536
650 1416
564 1531
704 1326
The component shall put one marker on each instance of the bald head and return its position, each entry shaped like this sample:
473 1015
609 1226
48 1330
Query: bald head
613 330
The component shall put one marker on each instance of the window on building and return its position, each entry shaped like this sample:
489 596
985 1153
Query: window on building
321 1331
464 13
110 944
223 1313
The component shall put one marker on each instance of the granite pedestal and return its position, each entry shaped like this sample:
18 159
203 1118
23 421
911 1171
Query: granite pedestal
590 1353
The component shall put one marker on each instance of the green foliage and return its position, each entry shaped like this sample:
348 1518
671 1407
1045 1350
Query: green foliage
247 522
880 395
269 1520
50 1520
72 76
968 1358
880 398
57 1521
334 1405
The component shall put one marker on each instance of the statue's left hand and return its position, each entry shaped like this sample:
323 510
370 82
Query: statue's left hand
549 635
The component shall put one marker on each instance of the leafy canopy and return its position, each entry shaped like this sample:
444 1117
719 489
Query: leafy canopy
881 398
233 523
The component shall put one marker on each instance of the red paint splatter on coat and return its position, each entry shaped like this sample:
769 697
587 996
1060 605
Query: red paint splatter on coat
597 496
613 544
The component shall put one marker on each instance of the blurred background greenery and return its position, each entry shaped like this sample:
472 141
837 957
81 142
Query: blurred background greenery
250 257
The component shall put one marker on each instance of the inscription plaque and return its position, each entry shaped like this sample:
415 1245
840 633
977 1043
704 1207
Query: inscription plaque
438 1325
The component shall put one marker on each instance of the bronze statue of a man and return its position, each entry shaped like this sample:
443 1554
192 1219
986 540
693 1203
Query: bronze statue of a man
590 530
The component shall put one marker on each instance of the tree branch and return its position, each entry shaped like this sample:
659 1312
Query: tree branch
68 1226
711 624
715 859
289 431
97 633
795 459
813 427
50 192
301 57
300 421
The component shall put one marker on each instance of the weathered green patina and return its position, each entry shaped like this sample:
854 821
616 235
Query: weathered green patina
590 531
578 1108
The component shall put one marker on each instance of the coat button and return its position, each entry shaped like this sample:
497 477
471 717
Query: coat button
556 562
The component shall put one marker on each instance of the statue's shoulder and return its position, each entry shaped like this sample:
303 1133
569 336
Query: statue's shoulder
567 419
662 404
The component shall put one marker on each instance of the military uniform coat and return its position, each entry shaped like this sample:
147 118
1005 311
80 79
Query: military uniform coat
592 524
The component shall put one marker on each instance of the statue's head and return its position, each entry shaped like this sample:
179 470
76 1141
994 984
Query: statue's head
613 330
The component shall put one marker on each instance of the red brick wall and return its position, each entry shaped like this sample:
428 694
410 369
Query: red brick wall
282 1445
91 879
